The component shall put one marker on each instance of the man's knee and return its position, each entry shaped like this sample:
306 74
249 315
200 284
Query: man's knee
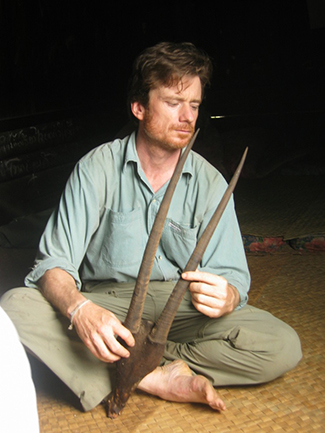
285 356
21 303
9 298
289 357
266 353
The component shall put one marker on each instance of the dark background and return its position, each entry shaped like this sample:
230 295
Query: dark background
73 54
64 68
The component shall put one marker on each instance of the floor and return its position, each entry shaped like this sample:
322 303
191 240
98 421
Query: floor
288 284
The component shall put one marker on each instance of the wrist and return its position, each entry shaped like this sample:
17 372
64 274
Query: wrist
75 311
236 296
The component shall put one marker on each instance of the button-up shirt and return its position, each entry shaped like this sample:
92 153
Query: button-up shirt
102 224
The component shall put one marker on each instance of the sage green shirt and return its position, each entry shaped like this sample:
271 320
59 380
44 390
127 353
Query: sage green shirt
101 227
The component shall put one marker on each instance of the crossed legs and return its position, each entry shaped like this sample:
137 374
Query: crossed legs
248 346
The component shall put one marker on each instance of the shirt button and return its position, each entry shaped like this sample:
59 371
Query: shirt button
159 257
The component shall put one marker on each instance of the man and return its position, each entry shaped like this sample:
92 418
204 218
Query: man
93 244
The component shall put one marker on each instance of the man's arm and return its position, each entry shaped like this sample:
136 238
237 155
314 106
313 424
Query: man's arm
211 294
96 326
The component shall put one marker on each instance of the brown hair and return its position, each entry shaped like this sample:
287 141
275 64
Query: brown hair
166 64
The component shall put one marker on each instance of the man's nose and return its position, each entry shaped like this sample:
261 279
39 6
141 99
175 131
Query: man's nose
187 114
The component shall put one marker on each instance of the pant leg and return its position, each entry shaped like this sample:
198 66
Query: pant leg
44 332
248 346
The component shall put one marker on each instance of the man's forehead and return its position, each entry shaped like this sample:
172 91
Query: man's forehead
180 86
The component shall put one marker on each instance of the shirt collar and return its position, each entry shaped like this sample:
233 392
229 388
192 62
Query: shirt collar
131 155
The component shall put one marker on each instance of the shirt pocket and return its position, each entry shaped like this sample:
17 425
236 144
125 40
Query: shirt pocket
178 242
125 241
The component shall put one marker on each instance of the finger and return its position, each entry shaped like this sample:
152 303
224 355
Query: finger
206 289
204 277
209 301
109 336
99 349
113 327
125 334
206 310
104 345
116 348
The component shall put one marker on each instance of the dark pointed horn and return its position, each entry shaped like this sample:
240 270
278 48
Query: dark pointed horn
133 319
160 331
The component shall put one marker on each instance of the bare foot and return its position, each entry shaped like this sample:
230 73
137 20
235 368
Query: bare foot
175 382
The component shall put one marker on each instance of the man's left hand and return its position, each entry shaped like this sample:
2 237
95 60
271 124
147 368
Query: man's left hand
212 295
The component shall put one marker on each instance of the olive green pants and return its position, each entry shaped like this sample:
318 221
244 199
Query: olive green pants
248 346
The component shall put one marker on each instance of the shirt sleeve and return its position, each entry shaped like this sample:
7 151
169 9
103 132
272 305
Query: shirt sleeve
225 254
69 229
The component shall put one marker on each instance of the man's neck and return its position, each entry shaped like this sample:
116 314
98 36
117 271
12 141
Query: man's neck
157 163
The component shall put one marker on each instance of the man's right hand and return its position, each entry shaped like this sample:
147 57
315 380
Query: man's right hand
98 329
96 326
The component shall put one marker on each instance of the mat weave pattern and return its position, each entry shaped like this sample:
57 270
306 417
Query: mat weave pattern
287 206
291 287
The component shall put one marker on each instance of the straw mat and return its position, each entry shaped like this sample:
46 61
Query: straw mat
287 206
288 285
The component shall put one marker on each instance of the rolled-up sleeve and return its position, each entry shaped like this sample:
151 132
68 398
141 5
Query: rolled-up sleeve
69 229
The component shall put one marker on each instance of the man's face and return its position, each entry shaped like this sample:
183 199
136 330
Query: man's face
169 119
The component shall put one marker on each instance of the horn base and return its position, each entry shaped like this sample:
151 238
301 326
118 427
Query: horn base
144 357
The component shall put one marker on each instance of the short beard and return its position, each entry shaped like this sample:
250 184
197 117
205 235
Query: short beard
169 145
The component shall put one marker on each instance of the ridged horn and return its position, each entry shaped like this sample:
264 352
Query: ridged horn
160 331
133 319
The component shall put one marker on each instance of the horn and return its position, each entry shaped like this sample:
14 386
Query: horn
133 319
151 339
161 328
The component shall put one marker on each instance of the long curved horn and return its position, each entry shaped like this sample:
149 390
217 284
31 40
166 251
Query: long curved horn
160 331
133 319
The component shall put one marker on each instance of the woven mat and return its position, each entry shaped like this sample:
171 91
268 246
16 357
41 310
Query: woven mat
291 287
287 206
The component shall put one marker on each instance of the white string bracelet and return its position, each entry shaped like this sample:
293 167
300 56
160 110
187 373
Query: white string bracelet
74 312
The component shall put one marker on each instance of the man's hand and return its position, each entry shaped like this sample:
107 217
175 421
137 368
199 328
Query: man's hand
211 294
96 326
98 329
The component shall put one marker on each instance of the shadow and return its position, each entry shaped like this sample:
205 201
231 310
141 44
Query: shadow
49 385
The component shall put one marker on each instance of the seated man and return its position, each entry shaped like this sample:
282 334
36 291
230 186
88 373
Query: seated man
93 244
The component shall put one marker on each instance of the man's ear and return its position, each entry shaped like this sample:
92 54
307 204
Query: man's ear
138 110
